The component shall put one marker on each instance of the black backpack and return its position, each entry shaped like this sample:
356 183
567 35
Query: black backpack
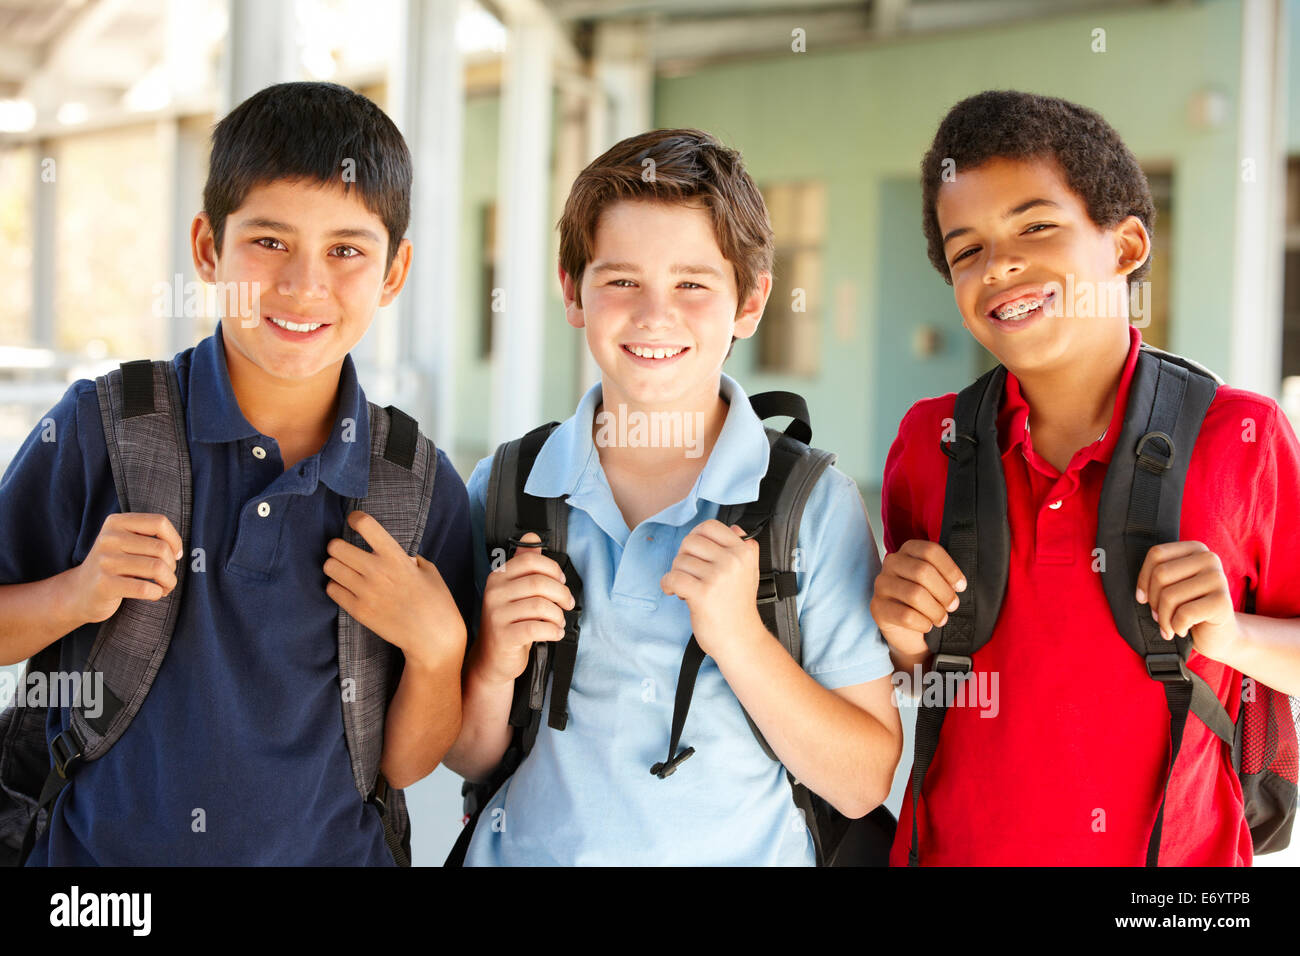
1140 507
144 428
773 520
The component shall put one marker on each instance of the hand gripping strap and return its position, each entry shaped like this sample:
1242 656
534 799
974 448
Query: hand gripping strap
1141 506
143 419
403 471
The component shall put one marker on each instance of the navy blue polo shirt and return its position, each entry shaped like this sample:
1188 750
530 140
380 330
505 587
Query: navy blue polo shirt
238 755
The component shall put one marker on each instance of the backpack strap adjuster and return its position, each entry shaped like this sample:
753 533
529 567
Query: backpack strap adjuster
953 664
1167 668
776 586
66 751
1151 457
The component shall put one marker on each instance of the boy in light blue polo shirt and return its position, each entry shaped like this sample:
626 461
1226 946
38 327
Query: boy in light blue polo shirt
664 272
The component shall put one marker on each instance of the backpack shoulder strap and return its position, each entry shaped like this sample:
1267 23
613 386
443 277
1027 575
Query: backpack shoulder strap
403 469
1141 506
773 520
510 514
143 418
977 536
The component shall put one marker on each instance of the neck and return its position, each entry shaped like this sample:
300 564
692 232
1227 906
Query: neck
1079 394
298 414
654 440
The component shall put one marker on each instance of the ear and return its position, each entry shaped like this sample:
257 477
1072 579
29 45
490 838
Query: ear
573 313
1132 245
751 310
397 273
203 248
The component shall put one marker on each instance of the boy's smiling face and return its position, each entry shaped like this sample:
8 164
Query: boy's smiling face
659 303
1016 239
318 258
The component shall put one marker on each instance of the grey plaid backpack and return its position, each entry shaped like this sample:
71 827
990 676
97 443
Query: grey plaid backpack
144 428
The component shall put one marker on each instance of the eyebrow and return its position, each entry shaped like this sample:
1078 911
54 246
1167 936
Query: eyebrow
1023 207
678 269
353 232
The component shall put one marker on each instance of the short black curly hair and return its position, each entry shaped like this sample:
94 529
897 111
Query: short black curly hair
1009 124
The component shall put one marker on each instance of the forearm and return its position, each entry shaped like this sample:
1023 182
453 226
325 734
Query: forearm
423 719
35 615
1268 650
485 722
834 747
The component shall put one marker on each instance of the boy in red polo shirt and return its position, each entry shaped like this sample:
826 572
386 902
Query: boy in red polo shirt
1026 197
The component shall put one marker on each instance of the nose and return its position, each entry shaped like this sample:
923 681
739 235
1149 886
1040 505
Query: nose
303 277
654 311
1000 263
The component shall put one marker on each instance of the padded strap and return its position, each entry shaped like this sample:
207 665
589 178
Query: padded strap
976 535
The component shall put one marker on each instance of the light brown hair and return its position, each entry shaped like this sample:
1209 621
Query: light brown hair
685 166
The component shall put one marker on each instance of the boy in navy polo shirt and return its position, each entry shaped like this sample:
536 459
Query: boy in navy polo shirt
238 754
664 272
1071 767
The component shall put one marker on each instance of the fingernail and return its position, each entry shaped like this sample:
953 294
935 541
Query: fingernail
179 555
961 585
1155 616
943 620
1141 596
956 603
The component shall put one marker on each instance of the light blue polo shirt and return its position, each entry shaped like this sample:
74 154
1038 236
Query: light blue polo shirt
585 795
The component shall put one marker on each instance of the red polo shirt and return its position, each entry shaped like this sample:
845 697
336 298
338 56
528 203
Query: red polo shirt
1068 767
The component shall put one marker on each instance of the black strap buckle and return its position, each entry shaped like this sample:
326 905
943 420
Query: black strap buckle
664 770
1167 668
775 586
66 751
1152 457
953 664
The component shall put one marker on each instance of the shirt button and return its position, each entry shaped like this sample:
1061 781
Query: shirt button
649 537
263 509
1055 505
259 451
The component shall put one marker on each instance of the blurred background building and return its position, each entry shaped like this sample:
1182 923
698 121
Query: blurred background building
106 107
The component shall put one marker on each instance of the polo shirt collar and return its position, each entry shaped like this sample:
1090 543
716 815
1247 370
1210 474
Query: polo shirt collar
342 465
1013 417
569 465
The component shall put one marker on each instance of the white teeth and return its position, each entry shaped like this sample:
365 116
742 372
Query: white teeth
294 326
1013 312
652 353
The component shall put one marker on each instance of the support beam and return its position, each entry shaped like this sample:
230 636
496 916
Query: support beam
523 253
260 50
1256 344
44 248
182 145
427 101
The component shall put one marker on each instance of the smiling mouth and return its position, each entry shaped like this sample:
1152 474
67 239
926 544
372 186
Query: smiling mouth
671 351
300 327
1019 309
